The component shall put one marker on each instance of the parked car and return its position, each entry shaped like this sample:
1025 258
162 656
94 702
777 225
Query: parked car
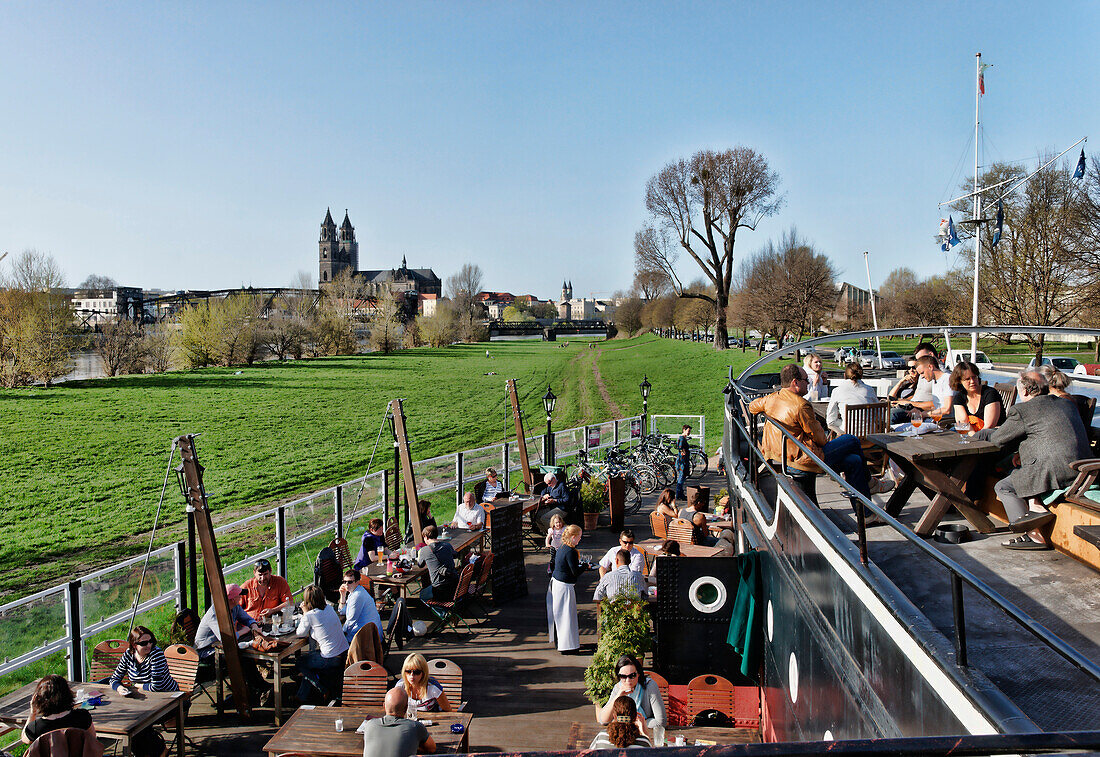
1064 364
866 358
957 356
771 345
890 361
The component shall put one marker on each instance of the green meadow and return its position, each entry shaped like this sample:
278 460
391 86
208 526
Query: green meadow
84 462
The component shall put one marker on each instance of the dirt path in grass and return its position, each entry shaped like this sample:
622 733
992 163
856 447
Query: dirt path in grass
612 405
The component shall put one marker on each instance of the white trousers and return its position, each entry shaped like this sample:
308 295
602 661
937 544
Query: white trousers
561 615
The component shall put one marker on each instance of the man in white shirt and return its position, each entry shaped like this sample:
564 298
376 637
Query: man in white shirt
940 382
622 580
626 542
922 396
469 514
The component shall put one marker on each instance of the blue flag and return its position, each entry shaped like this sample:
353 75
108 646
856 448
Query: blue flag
951 238
1000 223
1079 172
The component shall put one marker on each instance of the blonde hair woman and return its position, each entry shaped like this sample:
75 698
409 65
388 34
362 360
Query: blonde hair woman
561 596
424 692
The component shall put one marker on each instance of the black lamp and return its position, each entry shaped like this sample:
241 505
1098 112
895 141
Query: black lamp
645 386
182 480
548 401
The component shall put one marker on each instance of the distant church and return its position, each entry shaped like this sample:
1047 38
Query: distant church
339 252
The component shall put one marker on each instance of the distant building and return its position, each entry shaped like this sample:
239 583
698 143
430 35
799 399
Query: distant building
339 251
852 304
95 307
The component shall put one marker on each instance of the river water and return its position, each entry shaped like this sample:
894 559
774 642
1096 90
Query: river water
88 366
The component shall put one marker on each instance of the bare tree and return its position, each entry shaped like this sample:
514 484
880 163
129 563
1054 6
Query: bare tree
628 316
120 347
462 288
157 346
385 325
649 282
809 286
98 281
438 329
702 203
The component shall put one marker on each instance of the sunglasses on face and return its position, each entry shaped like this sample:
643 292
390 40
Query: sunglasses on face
144 643
627 543
412 672
348 581
628 676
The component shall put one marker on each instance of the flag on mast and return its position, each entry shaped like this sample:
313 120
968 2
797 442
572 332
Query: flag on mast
1000 223
1079 172
981 76
947 234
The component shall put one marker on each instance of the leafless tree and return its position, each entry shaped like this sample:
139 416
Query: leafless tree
385 325
701 204
628 316
649 282
98 281
462 288
120 347
157 347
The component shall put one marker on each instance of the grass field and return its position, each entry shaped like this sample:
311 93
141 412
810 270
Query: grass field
84 462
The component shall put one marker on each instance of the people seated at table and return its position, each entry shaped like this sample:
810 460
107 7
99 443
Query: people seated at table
356 605
440 558
851 391
903 392
321 625
789 407
373 540
669 548
1050 435
469 514
940 385
208 633
632 682
972 402
425 693
494 487
1058 383
626 541
666 504
555 495
144 665
701 534
394 735
621 581
818 382
424 509
53 707
625 730
561 594
265 593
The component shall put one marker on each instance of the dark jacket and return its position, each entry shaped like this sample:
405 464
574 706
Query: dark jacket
567 564
1051 437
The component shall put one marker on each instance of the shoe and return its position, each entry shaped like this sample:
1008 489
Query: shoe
1025 542
266 697
1030 521
881 485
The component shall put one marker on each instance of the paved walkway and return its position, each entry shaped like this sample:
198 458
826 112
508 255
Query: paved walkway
523 693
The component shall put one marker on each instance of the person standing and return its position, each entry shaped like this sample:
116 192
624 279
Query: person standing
561 595
683 460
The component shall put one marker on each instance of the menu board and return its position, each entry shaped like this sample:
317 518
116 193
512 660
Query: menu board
509 574
593 437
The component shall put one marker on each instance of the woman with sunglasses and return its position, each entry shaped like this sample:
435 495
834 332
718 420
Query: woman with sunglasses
144 665
634 683
424 692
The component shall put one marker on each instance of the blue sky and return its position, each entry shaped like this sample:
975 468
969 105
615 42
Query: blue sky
197 145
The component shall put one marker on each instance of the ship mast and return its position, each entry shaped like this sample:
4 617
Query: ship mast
977 204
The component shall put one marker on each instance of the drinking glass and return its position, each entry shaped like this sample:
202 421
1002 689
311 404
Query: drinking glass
658 735
963 427
916 417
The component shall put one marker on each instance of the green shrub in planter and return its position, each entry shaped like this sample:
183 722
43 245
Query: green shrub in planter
624 629
593 496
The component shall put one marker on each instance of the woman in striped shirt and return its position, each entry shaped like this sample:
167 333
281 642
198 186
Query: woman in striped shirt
143 664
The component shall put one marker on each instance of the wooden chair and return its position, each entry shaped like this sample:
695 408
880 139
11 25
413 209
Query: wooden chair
662 686
365 685
863 420
680 530
449 676
449 611
1008 395
396 627
393 535
710 692
481 581
479 491
105 658
183 666
659 525
343 554
331 576
186 624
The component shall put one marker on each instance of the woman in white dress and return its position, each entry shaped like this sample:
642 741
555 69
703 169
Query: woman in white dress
561 596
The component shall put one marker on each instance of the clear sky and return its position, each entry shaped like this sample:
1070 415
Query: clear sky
197 145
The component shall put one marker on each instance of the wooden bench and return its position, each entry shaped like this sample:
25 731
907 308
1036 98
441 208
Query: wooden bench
1077 516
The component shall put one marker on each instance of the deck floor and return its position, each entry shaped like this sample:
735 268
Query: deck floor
1060 592
523 693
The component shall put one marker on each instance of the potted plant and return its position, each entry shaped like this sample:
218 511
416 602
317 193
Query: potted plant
593 501
624 629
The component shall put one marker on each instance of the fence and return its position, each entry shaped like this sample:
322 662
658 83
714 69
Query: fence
672 425
63 619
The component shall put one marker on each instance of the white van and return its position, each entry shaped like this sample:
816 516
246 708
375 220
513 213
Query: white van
957 356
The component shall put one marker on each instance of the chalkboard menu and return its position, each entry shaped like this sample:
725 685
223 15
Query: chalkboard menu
509 573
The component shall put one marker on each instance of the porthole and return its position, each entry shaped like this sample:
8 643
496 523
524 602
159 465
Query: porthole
707 594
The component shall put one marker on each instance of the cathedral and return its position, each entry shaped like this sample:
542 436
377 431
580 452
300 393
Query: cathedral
340 252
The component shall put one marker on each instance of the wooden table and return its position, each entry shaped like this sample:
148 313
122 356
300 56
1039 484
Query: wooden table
461 541
939 465
530 504
276 657
581 735
313 731
652 547
118 717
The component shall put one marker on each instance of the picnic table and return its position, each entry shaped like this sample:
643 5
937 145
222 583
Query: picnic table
938 464
118 717
275 657
581 735
312 730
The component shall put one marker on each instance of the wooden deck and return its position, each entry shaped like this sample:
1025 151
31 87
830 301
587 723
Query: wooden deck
523 694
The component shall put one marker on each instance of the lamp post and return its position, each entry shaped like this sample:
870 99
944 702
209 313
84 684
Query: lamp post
548 401
645 386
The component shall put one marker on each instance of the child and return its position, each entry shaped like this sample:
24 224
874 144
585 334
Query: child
553 538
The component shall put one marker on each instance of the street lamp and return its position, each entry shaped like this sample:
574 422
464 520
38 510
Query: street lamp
645 386
548 401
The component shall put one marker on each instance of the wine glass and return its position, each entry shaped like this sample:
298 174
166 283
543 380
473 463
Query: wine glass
916 417
963 427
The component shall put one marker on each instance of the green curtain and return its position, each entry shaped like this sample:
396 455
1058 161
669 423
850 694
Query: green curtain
746 634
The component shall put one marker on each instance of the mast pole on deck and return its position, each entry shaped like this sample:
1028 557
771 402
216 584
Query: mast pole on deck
977 205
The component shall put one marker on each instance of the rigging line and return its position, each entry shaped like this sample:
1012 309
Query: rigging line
152 535
958 165
370 463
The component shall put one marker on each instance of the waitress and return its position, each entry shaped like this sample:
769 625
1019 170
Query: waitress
561 596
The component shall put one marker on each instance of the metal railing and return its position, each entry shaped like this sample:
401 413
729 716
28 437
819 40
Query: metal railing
959 574
64 618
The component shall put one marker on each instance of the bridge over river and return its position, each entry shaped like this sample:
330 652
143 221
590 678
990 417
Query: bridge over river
548 330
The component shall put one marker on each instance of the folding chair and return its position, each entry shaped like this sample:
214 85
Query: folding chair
343 554
447 612
365 685
484 574
658 524
397 629
449 676
680 530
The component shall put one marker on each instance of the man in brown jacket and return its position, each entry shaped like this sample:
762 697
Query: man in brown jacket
789 408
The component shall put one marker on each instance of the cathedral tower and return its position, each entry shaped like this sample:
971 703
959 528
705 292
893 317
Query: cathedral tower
349 248
329 250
